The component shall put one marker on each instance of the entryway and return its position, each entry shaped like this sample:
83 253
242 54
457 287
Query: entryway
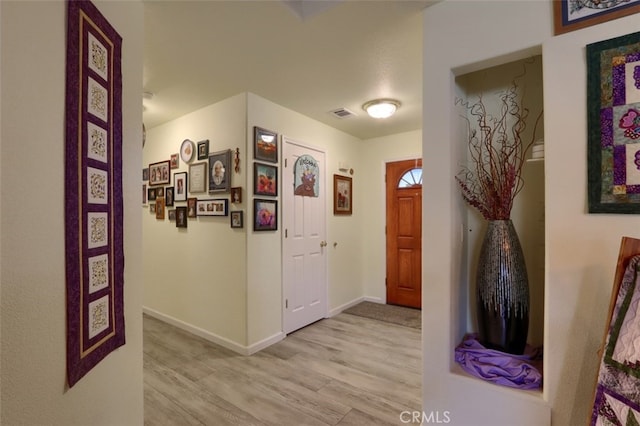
404 232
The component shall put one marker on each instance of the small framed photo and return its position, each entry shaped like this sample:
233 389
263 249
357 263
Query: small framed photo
168 196
144 194
265 179
145 174
180 186
151 194
213 207
203 149
160 192
181 217
160 208
152 208
192 204
160 173
265 145
265 215
198 177
342 195
175 161
219 172
236 194
237 220
172 214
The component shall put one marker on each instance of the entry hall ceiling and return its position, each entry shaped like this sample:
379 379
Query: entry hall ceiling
312 57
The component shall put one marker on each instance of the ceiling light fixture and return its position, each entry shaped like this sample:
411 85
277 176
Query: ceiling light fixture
381 108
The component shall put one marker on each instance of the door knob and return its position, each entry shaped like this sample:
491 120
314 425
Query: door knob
323 243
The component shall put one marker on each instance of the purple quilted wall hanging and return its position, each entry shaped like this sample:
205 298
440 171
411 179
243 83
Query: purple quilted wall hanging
93 190
613 107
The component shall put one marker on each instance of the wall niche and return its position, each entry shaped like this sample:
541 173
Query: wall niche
528 213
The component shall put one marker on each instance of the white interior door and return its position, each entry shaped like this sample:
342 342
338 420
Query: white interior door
304 241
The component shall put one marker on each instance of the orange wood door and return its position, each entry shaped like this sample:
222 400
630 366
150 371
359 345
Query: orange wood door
404 233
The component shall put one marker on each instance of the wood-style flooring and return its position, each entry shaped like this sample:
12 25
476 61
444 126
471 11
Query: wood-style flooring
345 370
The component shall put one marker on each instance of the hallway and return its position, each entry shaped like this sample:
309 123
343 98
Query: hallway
345 370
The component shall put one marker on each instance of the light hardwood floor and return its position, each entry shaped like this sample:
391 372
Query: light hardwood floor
345 370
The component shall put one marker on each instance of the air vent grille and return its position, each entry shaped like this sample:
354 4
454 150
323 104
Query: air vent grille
342 113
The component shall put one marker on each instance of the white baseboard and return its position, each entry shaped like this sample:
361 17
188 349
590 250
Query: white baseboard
207 335
374 300
336 311
265 343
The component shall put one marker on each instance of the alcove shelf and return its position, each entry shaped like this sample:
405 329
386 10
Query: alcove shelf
528 213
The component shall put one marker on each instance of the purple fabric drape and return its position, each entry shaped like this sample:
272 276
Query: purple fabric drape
516 371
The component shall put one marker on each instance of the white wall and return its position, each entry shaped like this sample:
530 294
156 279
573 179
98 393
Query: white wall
197 276
581 249
32 311
344 260
376 152
225 284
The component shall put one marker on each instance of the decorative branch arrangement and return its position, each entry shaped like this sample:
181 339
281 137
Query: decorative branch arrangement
493 175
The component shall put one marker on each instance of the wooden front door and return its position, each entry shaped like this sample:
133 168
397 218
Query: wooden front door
404 233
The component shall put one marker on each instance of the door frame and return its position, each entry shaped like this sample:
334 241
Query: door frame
285 140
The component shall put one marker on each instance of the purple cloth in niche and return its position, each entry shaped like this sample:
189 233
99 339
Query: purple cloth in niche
501 368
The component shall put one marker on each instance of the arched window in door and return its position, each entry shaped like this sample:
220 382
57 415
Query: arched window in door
411 179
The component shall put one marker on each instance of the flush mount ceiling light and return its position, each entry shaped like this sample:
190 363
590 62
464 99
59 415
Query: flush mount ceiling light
381 108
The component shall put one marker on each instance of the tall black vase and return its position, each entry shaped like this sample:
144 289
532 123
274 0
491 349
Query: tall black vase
502 290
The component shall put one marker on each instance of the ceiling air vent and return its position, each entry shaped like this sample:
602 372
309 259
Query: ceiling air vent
342 113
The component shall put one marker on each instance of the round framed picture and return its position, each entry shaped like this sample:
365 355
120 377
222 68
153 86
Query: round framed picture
187 149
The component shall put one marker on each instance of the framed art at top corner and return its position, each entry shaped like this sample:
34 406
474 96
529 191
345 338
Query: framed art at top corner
265 146
570 15
613 111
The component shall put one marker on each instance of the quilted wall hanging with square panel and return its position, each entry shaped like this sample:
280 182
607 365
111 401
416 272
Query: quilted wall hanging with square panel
613 98
93 190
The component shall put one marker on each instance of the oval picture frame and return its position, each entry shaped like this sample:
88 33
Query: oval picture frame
187 150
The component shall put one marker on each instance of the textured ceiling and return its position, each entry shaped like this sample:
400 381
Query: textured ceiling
309 56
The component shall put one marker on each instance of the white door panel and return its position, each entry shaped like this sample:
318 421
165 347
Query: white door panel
304 251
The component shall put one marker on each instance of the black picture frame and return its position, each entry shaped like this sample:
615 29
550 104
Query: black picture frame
180 186
181 217
265 214
265 179
169 196
219 171
213 207
203 149
159 173
265 145
237 219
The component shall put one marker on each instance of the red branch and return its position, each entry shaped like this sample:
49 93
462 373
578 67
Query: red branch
493 176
